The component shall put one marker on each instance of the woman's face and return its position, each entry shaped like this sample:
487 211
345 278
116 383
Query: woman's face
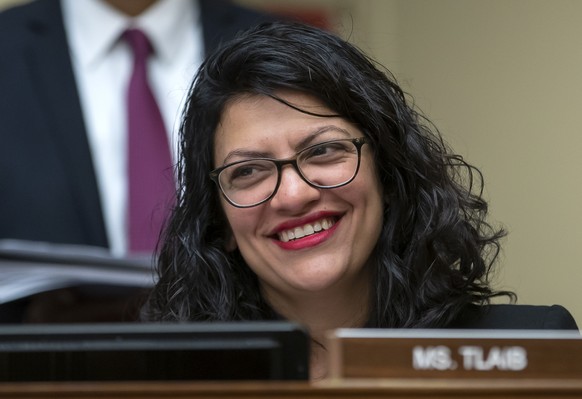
330 259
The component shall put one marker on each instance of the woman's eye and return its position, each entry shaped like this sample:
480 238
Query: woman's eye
319 150
246 171
326 150
250 173
242 171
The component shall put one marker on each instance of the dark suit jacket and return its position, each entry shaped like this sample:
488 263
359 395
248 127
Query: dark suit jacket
48 188
517 317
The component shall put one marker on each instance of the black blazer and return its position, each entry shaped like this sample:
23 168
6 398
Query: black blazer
518 317
48 188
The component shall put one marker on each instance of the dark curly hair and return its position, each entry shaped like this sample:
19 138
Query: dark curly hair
436 249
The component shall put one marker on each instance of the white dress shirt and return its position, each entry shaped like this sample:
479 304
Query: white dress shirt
102 64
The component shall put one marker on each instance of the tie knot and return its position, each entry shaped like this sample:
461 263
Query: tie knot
139 43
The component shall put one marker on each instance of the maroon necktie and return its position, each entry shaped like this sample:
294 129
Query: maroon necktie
150 173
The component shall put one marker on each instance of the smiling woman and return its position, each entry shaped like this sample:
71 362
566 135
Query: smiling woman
334 192
311 191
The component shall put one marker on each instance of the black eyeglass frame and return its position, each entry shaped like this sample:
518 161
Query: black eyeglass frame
279 163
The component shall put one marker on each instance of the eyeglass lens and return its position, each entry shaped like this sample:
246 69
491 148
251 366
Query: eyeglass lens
326 165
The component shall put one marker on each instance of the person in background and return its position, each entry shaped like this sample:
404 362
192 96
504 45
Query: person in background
90 94
65 70
311 191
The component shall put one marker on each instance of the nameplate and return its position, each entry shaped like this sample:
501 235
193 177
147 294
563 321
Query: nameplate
380 353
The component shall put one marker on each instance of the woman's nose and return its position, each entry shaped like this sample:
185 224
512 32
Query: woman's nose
294 192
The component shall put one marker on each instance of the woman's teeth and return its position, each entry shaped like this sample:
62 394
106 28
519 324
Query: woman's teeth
305 230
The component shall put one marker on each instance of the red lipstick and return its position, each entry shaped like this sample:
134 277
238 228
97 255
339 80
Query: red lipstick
308 241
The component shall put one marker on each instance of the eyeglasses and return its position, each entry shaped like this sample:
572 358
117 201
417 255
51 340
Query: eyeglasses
326 165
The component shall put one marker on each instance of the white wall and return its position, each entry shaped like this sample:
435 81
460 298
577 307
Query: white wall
502 79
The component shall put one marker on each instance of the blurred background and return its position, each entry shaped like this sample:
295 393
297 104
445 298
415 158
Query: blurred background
501 81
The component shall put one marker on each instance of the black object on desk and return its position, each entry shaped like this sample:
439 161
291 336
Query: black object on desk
154 352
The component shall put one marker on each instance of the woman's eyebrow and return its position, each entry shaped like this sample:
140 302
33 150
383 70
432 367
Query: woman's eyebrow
250 154
242 153
318 132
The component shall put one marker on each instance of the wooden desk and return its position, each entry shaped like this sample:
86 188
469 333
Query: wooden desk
374 364
368 389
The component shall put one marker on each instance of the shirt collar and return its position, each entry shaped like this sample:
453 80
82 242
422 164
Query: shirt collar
169 24
94 27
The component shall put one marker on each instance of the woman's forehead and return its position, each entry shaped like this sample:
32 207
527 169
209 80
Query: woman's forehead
255 122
